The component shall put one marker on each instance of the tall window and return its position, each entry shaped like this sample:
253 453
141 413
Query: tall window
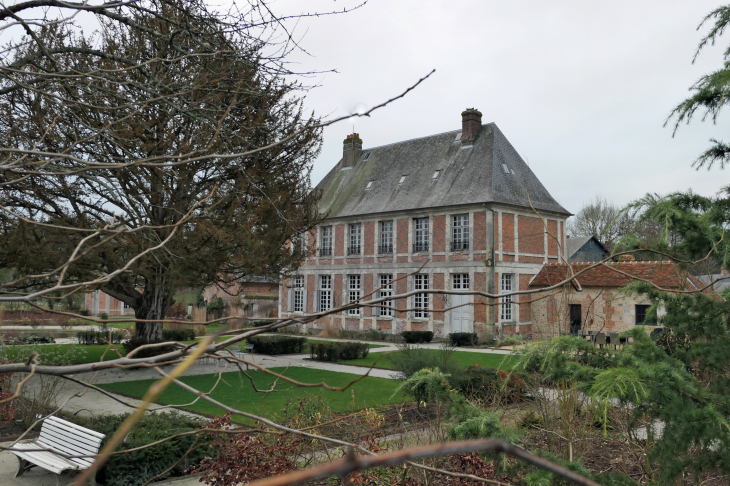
354 293
460 233
355 238
641 314
421 241
386 237
299 294
506 301
325 293
386 290
420 301
326 248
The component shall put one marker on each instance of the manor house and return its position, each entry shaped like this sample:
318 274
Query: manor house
460 210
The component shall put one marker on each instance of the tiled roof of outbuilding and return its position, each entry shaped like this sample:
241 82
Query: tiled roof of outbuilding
472 173
664 274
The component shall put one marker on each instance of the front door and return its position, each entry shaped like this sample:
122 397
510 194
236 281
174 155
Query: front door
575 319
460 316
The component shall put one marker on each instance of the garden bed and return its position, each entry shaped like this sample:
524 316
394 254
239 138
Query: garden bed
463 358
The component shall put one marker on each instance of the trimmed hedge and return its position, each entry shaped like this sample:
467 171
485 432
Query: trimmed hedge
463 338
337 352
417 336
33 339
277 344
99 337
183 334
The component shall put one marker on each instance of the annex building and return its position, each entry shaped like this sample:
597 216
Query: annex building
448 211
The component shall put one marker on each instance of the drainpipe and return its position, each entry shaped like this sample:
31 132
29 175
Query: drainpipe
494 266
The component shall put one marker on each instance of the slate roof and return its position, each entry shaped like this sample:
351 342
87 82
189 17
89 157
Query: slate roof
469 174
665 274
719 281
573 244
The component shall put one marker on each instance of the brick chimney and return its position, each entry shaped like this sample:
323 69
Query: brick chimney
351 150
471 122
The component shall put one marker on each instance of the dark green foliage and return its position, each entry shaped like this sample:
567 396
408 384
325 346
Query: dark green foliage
463 338
336 352
216 306
410 360
132 344
32 339
99 337
104 316
277 344
183 334
138 467
413 337
493 385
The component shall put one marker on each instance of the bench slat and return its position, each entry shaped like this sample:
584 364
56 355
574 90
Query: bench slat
79 429
46 460
78 442
85 461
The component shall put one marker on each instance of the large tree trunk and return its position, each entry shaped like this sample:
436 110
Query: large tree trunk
156 300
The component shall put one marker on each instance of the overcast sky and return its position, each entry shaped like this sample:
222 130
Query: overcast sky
581 88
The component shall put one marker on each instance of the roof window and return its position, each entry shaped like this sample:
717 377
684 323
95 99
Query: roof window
436 174
402 179
458 137
367 156
691 282
370 184
505 168
512 170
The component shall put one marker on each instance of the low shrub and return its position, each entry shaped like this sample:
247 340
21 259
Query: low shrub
104 316
132 344
376 335
336 352
277 344
463 338
417 336
493 385
99 337
32 339
179 334
409 360
138 467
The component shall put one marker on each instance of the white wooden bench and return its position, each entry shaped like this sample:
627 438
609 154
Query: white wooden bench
60 439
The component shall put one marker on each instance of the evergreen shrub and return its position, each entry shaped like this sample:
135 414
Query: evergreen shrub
463 338
277 344
483 383
336 352
181 334
417 336
99 337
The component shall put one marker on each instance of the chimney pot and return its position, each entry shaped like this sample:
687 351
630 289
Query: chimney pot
351 150
471 122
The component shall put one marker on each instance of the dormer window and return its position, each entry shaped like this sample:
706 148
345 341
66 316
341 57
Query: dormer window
402 179
505 168
367 156
436 174
458 137
369 185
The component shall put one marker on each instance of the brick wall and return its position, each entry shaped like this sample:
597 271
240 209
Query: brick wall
367 289
369 246
340 240
337 291
402 236
480 231
480 309
439 233
439 300
401 288
311 286
508 232
312 242
284 294
531 234
524 308
552 227
496 291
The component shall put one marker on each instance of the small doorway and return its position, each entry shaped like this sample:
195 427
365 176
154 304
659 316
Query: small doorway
460 321
575 319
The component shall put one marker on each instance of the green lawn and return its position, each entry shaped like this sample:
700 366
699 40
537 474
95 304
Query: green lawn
235 390
464 358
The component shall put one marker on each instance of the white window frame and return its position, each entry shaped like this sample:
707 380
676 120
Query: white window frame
354 287
354 236
420 234
420 301
298 294
386 290
324 298
460 281
460 232
506 285
326 241
386 238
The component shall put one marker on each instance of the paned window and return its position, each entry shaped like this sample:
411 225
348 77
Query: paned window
298 294
355 238
506 301
421 240
326 247
460 233
641 314
386 237
420 301
353 293
460 281
386 290
325 293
